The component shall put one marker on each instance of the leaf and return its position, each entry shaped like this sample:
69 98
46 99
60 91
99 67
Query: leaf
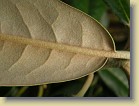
116 80
121 8
95 8
98 11
31 24
82 5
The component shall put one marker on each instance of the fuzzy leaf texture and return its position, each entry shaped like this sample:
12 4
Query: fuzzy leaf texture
48 21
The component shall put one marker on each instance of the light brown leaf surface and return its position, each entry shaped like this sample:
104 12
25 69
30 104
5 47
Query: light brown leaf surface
53 21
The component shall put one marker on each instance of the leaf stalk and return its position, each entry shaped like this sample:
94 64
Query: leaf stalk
86 86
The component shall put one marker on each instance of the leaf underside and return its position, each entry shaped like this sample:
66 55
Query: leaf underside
53 21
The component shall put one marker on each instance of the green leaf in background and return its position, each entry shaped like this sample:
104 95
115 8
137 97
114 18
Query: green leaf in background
121 8
95 8
82 5
116 80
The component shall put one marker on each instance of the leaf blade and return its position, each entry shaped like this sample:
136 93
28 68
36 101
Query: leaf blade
115 79
121 8
46 21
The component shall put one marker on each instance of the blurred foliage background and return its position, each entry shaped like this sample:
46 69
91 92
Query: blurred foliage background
114 15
